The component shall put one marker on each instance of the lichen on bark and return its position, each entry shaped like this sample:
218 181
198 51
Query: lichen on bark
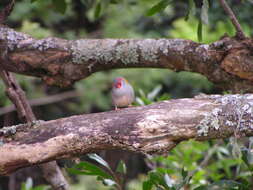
235 111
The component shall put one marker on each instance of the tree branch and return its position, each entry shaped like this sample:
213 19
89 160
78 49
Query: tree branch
148 129
57 61
235 22
6 11
17 96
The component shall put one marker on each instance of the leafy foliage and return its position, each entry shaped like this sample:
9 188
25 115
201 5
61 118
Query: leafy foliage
187 30
105 174
158 7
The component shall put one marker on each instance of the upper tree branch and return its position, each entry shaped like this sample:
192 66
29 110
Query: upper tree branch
149 129
233 19
57 61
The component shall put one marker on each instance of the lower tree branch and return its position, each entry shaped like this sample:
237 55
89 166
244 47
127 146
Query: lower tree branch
233 19
155 128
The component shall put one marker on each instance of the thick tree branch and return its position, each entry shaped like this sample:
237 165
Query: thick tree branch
148 129
235 22
57 61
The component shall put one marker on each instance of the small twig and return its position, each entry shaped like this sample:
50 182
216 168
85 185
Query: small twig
209 153
17 96
6 11
43 101
235 22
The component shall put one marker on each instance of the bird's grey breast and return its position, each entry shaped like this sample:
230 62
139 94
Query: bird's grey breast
123 96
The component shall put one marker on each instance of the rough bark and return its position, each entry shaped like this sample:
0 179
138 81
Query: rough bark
147 129
227 63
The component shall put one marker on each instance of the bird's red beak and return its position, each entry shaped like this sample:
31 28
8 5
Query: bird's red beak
118 84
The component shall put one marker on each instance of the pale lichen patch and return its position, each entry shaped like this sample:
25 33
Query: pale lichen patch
44 44
10 130
178 45
149 50
210 121
127 52
203 50
13 37
96 50
234 111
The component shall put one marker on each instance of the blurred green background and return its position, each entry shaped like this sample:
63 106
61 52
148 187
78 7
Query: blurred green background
76 19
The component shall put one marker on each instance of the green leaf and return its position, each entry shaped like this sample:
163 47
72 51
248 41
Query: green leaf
191 9
226 185
184 173
247 157
121 168
60 6
199 31
98 8
151 95
77 172
163 97
115 1
244 155
32 1
202 187
147 185
23 186
158 179
204 11
40 187
99 160
86 168
158 7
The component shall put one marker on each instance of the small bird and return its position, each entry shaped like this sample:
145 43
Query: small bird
122 93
